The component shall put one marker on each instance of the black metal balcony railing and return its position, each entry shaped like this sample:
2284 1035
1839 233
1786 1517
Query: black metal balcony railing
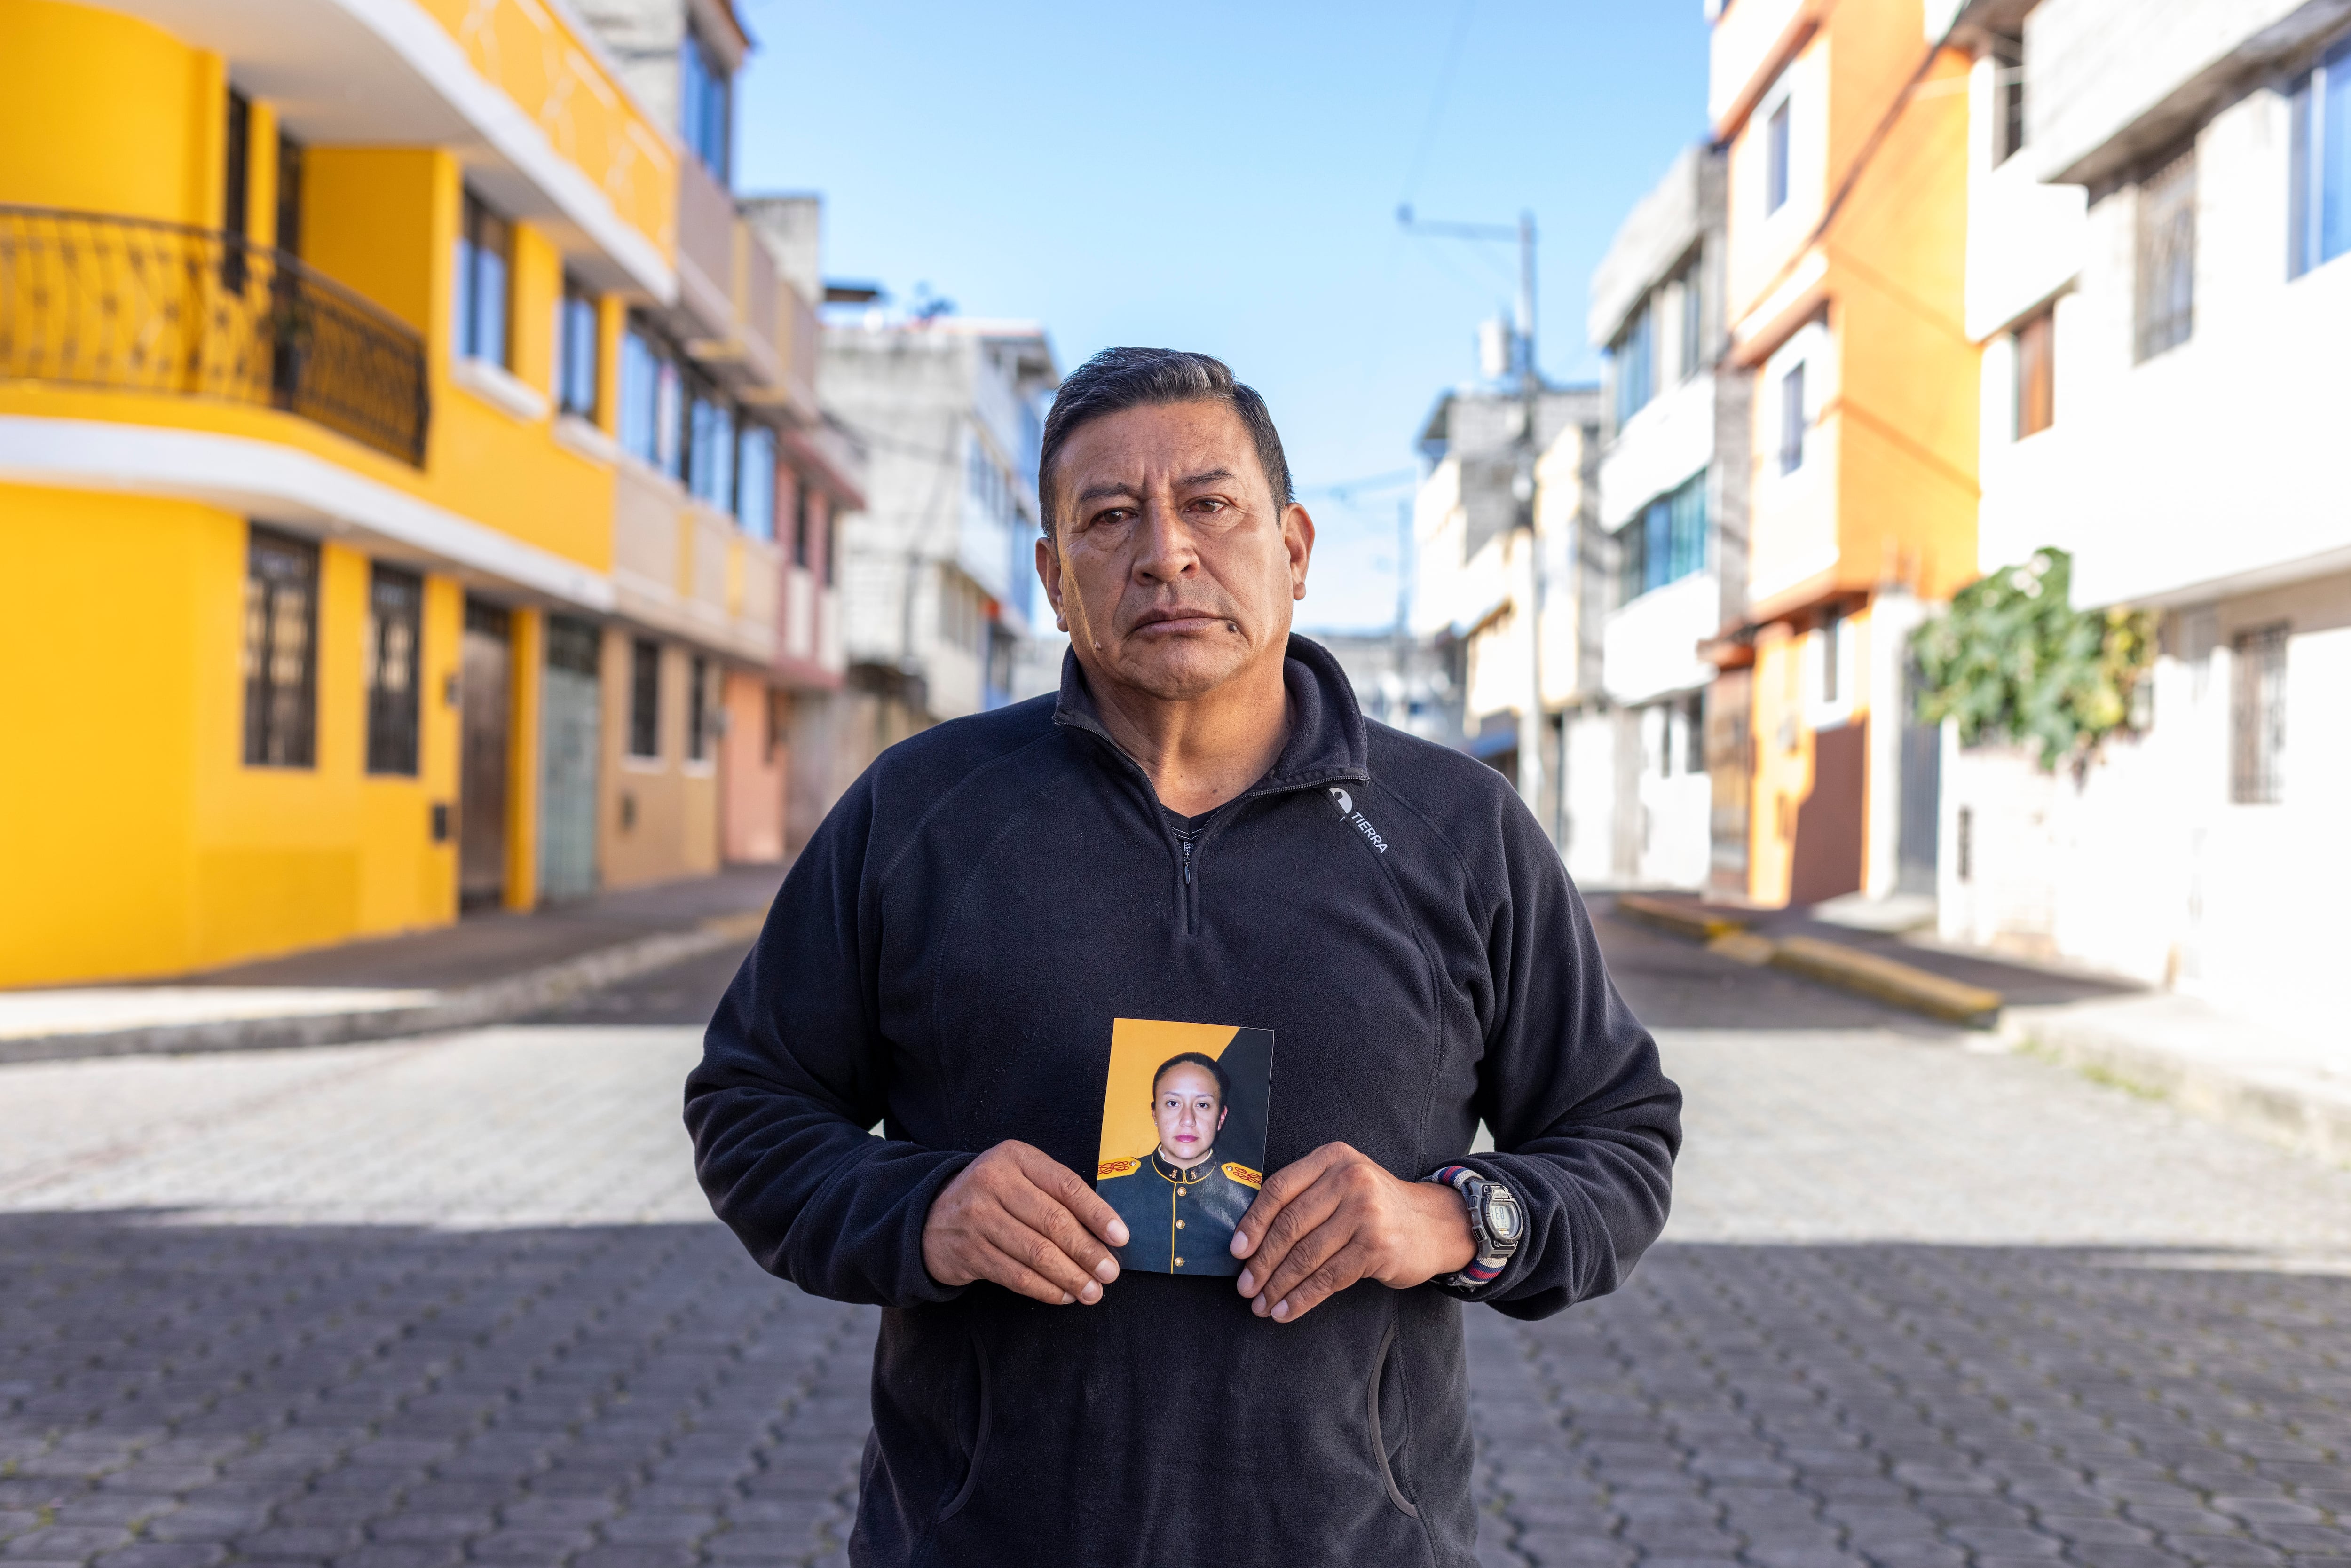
88 299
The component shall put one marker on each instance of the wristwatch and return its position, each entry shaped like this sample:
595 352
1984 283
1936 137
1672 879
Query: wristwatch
1495 1220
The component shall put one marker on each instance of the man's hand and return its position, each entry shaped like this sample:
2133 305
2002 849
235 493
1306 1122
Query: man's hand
1334 1218
1033 1225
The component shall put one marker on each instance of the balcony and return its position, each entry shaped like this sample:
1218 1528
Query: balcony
131 305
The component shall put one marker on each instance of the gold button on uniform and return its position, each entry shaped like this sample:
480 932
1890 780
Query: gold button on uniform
1179 1192
1179 1225
1179 1262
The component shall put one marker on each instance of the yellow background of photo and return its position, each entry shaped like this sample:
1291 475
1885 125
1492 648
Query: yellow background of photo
1136 1047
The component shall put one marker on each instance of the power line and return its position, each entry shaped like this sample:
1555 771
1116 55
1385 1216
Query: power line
1437 100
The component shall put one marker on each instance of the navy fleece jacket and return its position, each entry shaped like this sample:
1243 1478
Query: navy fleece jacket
946 959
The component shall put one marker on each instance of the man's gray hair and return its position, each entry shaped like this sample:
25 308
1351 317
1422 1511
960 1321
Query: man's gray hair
1119 379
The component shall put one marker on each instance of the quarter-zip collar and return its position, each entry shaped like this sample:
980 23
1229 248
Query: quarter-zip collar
1327 743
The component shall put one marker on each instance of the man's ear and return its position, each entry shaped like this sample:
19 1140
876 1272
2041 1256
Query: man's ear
1048 572
1298 539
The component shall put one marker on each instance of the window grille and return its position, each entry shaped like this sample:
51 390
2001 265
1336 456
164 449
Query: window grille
697 711
1775 168
1791 419
574 645
395 634
2321 197
485 262
2035 344
645 698
281 650
2166 257
2257 718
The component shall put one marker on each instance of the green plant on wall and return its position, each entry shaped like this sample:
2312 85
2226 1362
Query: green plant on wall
2014 660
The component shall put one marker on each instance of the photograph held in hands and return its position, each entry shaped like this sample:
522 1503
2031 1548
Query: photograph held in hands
1183 1141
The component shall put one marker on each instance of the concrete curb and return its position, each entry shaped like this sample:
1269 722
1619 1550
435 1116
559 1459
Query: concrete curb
1682 919
512 996
1887 981
2266 1103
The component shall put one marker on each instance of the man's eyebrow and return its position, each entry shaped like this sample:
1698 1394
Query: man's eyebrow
1209 478
1105 490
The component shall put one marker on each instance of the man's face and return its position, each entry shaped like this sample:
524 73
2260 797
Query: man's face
1189 1111
1177 567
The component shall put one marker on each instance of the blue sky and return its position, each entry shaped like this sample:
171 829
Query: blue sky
1224 176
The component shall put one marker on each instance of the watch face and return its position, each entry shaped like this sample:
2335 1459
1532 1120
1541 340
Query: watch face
1502 1216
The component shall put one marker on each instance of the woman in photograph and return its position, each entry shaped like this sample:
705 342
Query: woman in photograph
1179 1202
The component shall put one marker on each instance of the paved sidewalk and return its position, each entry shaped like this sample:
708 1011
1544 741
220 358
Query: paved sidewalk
483 970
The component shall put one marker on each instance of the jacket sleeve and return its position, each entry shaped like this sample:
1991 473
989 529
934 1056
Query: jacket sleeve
1585 1122
794 1071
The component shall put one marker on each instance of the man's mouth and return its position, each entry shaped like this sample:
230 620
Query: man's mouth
1178 618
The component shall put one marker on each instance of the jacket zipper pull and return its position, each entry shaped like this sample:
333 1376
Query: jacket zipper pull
1187 863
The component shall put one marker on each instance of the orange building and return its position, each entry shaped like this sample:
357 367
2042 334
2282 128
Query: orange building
1845 122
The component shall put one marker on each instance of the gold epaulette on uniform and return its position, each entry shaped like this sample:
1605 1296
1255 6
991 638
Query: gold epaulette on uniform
1117 1168
1242 1174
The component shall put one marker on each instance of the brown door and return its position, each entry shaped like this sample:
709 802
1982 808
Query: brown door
1829 823
487 697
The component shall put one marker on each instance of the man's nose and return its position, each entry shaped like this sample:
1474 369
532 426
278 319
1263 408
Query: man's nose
1167 553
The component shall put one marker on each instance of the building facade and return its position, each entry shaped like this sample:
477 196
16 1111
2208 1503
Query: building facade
2161 202
319 426
1675 512
1503 526
1845 179
941 600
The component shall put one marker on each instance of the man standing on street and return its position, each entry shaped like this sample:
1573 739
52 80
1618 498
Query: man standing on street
1201 826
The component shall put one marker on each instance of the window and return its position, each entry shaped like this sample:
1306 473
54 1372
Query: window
1694 733
1831 639
644 697
281 650
649 399
2035 346
704 103
1693 302
697 711
485 252
236 172
575 344
800 505
1636 356
291 164
2008 99
2257 718
710 448
1775 160
2321 203
832 543
1666 542
754 482
1791 419
2167 255
395 630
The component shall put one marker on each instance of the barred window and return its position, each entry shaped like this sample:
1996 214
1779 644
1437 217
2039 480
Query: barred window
644 697
2257 718
2167 255
281 650
394 639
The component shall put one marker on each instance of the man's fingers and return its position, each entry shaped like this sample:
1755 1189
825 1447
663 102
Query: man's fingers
1337 1273
1303 1257
1035 1254
1074 1193
1281 1189
993 1262
1044 1212
1298 1218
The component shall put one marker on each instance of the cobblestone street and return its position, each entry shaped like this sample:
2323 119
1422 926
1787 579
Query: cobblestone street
457 1299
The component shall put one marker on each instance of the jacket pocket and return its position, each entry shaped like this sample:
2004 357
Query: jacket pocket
1388 1427
977 1447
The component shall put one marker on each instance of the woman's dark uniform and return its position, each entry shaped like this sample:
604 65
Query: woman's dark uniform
1179 1219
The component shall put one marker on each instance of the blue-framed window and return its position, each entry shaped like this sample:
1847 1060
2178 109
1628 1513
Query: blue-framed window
706 105
1775 160
484 261
710 449
754 482
1635 354
2321 203
649 399
1666 543
576 346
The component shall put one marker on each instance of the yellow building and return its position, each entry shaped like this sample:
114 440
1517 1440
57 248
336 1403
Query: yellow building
1845 122
315 328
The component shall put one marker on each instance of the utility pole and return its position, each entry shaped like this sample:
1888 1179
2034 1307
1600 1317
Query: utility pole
1534 726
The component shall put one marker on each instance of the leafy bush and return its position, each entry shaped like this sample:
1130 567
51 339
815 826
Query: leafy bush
2014 660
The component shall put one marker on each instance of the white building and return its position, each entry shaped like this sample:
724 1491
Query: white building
1676 514
2159 214
1498 549
940 600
